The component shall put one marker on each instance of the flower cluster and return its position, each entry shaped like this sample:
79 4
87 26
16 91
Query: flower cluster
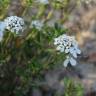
37 24
43 1
14 24
69 46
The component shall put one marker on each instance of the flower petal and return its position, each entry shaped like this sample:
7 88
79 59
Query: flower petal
74 54
71 50
66 62
72 61
66 50
60 48
78 51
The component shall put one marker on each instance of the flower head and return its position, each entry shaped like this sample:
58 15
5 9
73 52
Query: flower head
14 24
37 24
69 46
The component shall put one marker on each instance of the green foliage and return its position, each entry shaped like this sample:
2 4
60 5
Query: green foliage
3 7
72 88
26 58
4 3
29 2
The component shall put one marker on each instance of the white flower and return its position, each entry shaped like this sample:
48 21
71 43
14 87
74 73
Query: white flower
61 48
43 1
69 46
2 28
70 60
14 24
37 24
